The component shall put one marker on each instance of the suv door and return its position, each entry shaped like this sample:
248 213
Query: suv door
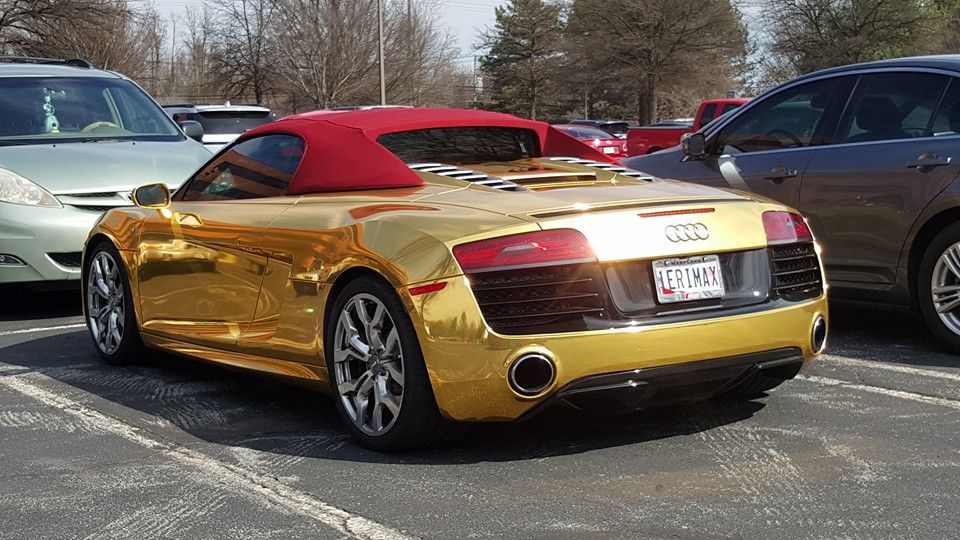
892 154
200 266
766 147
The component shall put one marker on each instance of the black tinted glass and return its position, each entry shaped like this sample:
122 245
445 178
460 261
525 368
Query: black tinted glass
260 167
888 106
709 112
947 121
232 122
462 146
788 119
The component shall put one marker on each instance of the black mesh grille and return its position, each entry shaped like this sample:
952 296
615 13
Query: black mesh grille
552 298
795 271
69 260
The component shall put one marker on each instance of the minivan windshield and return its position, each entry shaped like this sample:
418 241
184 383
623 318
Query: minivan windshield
43 110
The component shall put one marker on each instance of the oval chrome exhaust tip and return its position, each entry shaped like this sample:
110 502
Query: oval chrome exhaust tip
818 335
531 374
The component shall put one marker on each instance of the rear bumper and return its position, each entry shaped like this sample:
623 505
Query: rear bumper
638 389
468 363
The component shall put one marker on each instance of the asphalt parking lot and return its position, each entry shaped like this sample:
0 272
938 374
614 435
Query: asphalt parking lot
865 444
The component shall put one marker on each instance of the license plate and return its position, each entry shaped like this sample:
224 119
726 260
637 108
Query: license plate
609 149
687 279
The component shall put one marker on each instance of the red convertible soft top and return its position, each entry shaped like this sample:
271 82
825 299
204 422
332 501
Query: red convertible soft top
342 153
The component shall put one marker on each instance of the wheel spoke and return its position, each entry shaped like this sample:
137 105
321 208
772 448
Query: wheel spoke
394 371
951 258
947 307
391 343
377 417
358 385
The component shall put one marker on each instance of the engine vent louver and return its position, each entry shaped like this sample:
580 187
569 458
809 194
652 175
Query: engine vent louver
609 167
540 299
795 271
467 175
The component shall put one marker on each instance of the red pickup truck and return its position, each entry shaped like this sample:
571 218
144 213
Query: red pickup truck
648 139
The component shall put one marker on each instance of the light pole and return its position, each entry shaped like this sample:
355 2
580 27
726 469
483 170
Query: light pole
383 83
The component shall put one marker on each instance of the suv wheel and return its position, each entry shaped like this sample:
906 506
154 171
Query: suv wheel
938 289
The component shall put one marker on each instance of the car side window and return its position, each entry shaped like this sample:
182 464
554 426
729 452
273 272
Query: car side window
258 167
709 113
792 118
947 120
889 106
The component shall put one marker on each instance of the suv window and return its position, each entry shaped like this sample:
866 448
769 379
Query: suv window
259 167
232 122
792 118
709 113
887 106
947 120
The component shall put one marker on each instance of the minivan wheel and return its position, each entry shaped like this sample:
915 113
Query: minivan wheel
938 287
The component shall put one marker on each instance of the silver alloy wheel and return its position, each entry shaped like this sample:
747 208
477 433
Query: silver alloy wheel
945 288
368 364
105 314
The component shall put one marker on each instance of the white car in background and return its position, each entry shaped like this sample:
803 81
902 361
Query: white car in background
221 123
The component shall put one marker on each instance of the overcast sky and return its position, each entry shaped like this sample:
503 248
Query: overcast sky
464 19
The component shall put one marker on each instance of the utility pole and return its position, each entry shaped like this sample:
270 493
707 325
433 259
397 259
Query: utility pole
383 82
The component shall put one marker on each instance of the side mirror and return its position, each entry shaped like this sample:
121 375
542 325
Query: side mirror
694 145
192 129
152 196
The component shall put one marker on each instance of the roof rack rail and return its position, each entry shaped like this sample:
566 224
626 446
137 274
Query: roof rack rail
75 62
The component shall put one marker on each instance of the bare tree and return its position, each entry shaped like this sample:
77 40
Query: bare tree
659 45
243 51
816 34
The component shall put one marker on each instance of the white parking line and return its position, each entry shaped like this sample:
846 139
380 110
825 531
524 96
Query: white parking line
246 482
41 329
900 394
891 367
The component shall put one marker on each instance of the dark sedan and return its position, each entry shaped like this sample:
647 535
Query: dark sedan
870 153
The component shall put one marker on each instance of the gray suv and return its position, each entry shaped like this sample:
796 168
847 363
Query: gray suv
870 154
74 142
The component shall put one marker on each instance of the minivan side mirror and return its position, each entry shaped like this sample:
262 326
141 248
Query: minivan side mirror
192 129
152 196
694 145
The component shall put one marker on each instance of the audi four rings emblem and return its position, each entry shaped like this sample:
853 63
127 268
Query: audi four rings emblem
687 232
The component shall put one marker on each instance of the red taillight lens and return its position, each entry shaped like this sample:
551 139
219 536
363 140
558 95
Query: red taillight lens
527 249
785 228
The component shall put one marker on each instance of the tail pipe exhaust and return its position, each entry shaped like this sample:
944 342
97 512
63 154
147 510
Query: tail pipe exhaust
531 374
818 335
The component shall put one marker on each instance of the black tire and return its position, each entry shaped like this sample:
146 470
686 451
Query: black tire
945 239
418 422
130 348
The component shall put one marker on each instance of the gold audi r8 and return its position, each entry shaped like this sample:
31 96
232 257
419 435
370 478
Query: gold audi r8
429 266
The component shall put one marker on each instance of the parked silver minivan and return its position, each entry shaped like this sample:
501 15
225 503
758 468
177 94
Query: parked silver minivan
74 142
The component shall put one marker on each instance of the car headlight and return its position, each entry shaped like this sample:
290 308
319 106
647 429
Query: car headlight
18 190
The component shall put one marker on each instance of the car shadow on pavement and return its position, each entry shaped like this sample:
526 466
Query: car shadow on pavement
239 409
885 333
22 303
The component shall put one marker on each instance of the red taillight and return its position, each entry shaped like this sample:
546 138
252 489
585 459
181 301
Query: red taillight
526 249
785 228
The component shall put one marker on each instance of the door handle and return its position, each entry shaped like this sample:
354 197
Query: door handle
929 161
780 174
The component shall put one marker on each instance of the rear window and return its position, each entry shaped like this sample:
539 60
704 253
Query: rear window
232 122
462 146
